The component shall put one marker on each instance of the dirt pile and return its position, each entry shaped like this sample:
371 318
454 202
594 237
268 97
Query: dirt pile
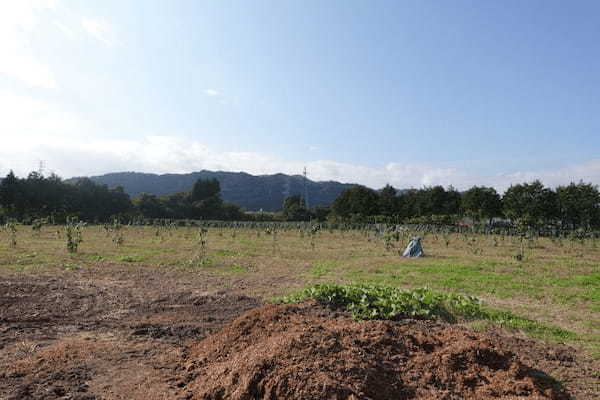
298 352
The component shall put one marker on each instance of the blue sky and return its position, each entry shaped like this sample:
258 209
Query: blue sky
410 93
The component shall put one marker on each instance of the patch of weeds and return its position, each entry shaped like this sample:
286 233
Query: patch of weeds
27 259
596 355
238 269
131 259
94 257
480 325
70 267
199 262
14 267
25 349
322 268
512 322
227 253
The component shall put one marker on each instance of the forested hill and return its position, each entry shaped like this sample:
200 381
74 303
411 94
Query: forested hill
248 191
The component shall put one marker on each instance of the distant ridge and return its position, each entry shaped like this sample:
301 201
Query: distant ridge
252 192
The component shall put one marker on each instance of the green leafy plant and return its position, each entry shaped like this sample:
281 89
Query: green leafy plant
384 302
74 235
117 233
11 228
201 254
36 226
313 231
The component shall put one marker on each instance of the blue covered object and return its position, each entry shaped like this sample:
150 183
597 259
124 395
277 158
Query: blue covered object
414 248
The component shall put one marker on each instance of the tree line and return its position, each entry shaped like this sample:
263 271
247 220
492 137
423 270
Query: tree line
526 205
531 205
38 196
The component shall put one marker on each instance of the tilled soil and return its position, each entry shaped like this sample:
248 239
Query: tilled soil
150 335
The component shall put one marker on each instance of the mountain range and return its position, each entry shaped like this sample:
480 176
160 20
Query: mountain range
252 192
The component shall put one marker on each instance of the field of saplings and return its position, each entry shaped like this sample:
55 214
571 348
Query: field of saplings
121 311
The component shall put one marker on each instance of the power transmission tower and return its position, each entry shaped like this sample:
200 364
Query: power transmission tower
41 167
306 189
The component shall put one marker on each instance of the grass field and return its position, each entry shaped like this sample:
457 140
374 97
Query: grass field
553 293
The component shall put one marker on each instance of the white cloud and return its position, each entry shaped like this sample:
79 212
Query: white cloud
34 130
99 29
20 20
68 32
17 21
212 92
75 155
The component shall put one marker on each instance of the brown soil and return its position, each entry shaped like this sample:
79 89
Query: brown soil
137 334
287 352
104 334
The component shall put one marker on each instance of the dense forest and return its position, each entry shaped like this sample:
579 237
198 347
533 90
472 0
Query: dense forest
533 205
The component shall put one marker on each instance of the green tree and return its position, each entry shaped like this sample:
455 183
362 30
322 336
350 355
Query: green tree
320 213
530 204
408 203
294 208
233 212
177 206
204 189
149 206
357 201
205 197
482 202
579 205
453 202
12 196
388 201
436 200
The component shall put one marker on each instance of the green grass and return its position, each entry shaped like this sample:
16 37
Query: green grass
510 321
322 268
486 279
236 269
131 258
227 253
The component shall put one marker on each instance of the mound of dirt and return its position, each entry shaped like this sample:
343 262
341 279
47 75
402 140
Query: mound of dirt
293 352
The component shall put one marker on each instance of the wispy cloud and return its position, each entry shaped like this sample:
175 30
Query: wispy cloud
68 32
212 92
99 29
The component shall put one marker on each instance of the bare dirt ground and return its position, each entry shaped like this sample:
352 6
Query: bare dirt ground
138 334
118 335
